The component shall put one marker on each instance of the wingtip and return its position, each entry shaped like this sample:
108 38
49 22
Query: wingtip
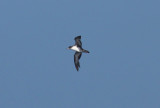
77 69
78 37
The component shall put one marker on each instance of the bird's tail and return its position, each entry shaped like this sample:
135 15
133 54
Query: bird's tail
85 51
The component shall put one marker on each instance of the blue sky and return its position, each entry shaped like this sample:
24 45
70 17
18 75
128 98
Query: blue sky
121 71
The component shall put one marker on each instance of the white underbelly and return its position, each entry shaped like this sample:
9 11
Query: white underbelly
75 48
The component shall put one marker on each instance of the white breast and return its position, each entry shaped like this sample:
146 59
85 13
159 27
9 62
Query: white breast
75 48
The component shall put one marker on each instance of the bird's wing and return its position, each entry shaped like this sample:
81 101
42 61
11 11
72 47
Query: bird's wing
77 56
78 41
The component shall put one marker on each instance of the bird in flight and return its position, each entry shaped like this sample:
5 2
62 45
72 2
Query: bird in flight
78 48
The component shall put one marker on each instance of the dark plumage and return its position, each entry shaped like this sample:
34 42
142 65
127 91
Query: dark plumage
77 56
78 48
78 41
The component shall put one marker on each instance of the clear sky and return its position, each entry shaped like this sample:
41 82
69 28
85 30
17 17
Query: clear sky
122 69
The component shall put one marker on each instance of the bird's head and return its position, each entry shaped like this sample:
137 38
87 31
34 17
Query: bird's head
69 47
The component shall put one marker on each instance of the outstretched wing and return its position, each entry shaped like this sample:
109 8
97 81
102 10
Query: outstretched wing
77 56
78 41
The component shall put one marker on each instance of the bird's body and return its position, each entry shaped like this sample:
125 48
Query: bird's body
75 48
79 50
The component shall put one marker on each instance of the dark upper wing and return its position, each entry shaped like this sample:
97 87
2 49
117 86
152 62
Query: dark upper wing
78 41
77 56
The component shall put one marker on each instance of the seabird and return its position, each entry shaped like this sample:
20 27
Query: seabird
79 50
